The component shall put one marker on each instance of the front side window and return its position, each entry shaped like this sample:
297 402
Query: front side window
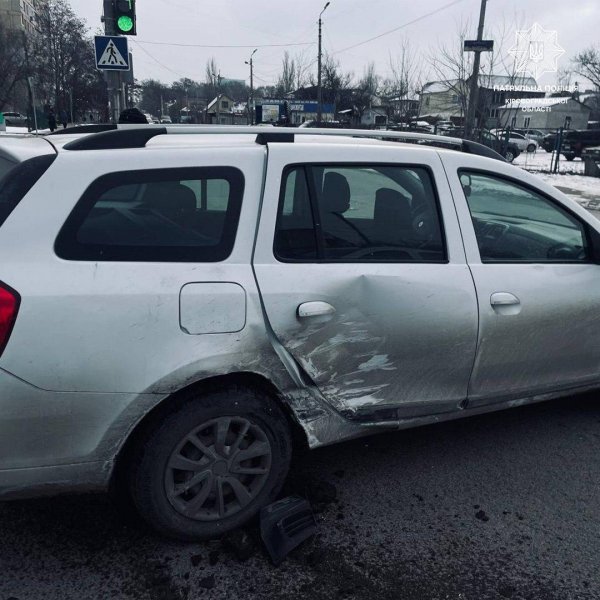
515 224
188 215
376 213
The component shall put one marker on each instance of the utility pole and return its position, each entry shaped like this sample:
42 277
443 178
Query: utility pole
218 78
251 99
319 89
113 78
474 87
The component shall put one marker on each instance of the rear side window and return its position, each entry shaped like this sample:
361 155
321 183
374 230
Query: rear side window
19 180
166 215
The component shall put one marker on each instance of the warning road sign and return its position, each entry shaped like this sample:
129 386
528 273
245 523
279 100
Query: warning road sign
112 53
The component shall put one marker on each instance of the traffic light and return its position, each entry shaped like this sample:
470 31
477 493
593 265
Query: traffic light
125 16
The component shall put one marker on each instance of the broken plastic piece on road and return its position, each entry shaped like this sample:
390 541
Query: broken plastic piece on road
284 525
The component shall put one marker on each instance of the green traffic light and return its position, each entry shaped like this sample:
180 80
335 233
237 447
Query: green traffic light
125 23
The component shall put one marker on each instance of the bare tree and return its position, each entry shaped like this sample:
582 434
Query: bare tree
452 67
302 64
62 60
213 77
287 78
337 85
403 83
366 90
587 64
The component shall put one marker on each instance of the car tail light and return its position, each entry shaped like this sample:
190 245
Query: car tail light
9 307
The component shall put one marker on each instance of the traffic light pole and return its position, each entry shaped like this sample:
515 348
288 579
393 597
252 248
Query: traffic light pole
113 78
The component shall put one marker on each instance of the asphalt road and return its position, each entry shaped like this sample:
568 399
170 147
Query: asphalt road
499 506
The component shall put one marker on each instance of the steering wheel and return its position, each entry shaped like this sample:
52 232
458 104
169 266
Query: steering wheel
422 226
564 251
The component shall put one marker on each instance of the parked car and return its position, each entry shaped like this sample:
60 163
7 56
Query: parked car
15 118
532 134
549 142
185 321
592 152
574 142
509 149
523 143
323 124
444 125
166 119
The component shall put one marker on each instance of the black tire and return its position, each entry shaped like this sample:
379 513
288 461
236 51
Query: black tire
570 157
531 148
153 484
509 155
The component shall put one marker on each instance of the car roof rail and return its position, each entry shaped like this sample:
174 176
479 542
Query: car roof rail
92 128
136 136
116 139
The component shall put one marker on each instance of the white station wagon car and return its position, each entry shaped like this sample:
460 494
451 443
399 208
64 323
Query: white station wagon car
180 307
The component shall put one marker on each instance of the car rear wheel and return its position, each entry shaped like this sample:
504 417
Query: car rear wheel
509 155
210 466
531 148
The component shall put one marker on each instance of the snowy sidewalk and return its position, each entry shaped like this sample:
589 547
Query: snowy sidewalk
570 180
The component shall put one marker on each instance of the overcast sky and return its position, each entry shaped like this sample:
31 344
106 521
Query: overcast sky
345 23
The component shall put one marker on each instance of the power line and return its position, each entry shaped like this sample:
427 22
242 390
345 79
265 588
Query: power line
156 60
376 37
223 45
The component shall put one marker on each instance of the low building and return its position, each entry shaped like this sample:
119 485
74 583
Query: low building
270 110
495 91
545 113
445 100
220 110
403 108
592 99
300 111
374 117
294 112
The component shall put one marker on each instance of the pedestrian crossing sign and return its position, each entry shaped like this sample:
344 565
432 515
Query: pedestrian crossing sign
112 53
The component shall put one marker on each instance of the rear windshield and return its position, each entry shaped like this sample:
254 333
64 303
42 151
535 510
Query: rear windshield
15 184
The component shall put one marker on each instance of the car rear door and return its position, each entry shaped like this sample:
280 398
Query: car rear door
537 284
363 276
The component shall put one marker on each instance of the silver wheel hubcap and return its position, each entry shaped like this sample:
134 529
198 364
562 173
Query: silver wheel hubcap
218 468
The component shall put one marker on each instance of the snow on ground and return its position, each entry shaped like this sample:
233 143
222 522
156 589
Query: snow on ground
569 180
14 129
542 160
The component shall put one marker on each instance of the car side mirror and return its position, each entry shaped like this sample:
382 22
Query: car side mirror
465 179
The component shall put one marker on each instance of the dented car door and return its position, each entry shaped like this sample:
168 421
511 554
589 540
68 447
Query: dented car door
363 277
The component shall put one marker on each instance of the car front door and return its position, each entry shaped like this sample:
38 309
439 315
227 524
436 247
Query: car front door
537 284
363 277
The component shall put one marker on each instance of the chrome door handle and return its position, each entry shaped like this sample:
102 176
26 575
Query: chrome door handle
504 299
315 309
